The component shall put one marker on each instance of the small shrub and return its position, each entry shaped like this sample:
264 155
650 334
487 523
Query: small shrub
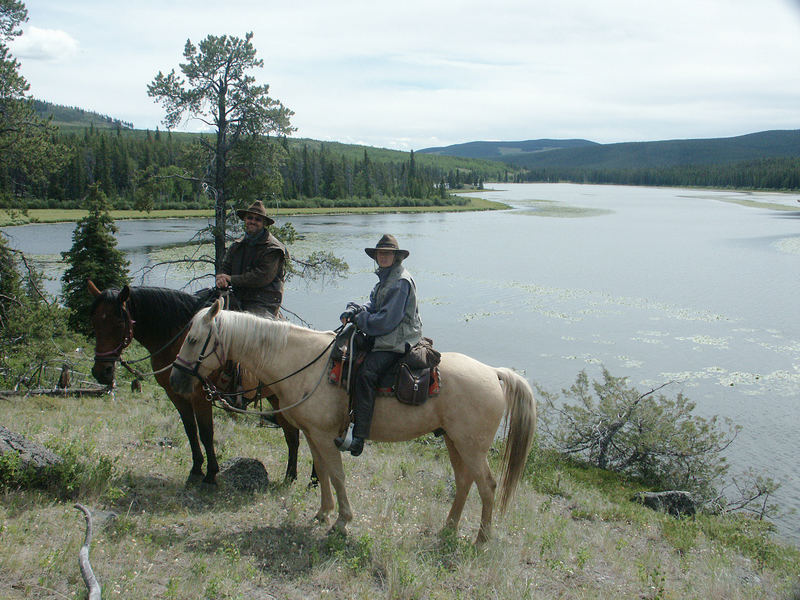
646 436
74 477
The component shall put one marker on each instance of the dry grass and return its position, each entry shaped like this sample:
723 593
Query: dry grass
169 540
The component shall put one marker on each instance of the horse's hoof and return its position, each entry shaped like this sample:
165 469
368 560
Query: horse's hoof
481 539
194 478
321 518
338 529
209 486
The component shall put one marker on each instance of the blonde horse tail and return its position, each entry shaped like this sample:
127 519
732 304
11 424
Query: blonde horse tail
521 419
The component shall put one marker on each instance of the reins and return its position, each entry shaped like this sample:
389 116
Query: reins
212 393
260 385
116 354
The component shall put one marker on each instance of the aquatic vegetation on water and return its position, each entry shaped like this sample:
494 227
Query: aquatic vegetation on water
549 208
705 340
788 245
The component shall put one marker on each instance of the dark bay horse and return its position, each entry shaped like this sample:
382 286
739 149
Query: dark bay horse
157 318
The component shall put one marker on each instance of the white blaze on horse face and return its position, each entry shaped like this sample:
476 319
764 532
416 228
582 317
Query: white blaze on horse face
202 345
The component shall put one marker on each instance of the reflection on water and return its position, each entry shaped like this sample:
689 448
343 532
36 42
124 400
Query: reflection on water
655 284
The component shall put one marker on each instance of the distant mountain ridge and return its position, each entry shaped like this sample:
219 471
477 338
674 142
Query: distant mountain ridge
71 116
504 151
634 155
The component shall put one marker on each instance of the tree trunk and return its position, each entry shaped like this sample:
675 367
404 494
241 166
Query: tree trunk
220 208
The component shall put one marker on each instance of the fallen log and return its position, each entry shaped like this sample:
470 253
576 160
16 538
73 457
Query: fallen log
52 392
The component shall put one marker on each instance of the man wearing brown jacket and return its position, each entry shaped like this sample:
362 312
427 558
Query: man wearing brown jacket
255 265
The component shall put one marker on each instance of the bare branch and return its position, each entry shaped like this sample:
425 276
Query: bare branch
86 568
31 277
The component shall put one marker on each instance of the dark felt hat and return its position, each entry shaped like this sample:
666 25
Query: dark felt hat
387 242
256 208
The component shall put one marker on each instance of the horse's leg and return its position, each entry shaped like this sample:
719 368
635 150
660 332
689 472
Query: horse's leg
463 483
205 423
479 467
331 459
185 410
326 496
292 436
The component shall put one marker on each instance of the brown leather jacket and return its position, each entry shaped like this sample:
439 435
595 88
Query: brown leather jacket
257 272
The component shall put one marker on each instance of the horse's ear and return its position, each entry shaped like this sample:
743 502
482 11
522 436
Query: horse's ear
124 294
92 288
214 310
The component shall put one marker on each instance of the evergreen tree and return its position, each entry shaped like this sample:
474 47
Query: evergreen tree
218 90
31 328
27 149
94 255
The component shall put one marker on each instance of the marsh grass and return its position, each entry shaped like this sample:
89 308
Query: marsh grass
570 533
55 215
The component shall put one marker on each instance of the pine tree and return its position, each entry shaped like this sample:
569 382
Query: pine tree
94 255
31 327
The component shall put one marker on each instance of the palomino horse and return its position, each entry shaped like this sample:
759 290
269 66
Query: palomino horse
158 319
473 399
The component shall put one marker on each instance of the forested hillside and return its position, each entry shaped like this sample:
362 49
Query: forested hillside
66 117
126 163
669 153
763 174
765 160
505 151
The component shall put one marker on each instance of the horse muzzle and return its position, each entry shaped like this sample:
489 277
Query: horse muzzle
182 380
104 371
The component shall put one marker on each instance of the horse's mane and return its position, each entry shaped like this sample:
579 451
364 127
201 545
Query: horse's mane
156 310
253 335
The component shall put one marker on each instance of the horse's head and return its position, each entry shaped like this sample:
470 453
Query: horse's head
113 330
201 352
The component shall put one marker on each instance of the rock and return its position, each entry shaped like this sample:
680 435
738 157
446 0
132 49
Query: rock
673 502
245 474
33 455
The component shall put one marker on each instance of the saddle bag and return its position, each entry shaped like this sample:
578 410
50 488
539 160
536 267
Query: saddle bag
412 387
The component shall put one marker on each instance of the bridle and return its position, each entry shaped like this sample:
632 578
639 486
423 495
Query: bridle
193 369
116 354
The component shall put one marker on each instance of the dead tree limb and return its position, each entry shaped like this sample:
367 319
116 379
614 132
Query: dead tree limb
31 277
83 558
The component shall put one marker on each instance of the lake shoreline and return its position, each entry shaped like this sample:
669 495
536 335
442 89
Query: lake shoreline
54 215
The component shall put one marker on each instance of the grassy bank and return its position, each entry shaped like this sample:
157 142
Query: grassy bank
571 532
45 215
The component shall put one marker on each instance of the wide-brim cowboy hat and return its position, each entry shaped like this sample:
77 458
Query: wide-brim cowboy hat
256 208
387 242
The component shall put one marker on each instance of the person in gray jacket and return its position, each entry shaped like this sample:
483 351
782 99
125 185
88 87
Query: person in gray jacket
391 320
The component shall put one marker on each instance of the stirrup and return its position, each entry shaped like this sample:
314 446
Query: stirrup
344 443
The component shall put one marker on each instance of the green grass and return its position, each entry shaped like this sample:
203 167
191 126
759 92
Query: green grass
46 215
571 531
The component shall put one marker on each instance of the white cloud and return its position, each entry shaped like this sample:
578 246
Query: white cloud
44 44
443 72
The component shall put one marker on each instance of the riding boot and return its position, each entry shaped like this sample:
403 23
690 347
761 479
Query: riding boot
366 383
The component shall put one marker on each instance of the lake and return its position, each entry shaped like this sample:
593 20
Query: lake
699 287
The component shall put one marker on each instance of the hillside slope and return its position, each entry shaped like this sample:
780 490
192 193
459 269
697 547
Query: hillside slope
583 154
669 153
504 151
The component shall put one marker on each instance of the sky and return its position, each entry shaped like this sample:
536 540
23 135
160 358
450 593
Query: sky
422 73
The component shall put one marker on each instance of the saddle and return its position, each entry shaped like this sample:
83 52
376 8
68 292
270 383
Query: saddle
412 380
